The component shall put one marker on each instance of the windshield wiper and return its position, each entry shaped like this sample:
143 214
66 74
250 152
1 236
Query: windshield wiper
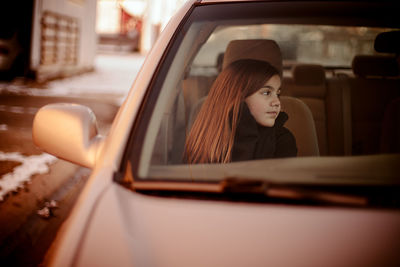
291 192
260 190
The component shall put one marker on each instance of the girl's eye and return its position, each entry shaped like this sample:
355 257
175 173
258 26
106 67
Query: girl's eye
267 93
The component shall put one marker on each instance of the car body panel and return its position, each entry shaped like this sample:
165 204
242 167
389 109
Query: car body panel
156 231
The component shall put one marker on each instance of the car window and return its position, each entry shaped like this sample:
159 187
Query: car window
330 46
338 110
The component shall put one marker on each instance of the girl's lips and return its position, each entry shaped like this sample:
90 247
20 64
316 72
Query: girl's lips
272 113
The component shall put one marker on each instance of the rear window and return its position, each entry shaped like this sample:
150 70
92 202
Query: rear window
329 46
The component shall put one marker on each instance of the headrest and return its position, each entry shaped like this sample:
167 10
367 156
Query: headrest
308 74
260 49
382 66
309 80
388 42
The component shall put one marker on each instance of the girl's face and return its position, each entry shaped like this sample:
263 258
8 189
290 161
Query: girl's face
264 104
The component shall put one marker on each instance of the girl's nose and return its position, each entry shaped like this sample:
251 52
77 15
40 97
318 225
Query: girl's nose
276 102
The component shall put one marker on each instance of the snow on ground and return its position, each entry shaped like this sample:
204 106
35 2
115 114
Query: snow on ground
113 76
36 164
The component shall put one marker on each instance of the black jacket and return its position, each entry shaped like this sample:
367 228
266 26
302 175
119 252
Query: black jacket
253 141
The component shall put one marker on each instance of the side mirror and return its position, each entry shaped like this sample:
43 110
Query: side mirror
68 131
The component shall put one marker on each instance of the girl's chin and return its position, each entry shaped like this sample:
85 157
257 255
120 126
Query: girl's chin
267 123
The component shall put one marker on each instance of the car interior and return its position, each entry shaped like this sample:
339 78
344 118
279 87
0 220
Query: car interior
332 112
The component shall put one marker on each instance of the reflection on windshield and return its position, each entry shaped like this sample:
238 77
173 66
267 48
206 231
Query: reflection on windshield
247 95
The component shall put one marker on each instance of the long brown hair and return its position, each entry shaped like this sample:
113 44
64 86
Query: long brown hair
211 138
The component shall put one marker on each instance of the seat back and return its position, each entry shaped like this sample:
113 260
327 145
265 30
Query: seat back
194 88
309 85
375 85
301 124
390 137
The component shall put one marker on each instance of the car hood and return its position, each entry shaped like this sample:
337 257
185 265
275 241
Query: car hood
131 229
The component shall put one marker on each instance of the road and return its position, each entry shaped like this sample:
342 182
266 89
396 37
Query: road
22 231
48 186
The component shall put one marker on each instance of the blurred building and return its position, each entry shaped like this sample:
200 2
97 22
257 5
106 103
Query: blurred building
45 39
64 37
133 25
119 25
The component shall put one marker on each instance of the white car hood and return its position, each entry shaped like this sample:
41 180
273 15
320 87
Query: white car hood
131 229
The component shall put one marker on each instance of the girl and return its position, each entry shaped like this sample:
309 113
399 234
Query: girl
241 118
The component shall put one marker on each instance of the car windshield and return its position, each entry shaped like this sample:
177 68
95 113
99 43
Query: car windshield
340 95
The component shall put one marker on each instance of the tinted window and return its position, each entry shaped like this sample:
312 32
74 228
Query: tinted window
320 44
